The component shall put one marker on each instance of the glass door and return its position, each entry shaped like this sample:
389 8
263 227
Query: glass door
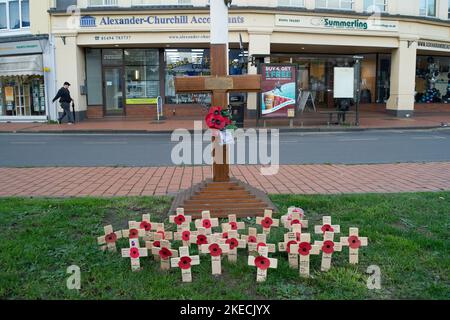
113 86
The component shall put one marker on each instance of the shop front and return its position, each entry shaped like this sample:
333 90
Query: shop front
130 81
23 94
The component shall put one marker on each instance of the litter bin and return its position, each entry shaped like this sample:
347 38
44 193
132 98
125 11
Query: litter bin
238 103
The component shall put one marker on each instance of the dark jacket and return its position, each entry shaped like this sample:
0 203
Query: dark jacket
63 95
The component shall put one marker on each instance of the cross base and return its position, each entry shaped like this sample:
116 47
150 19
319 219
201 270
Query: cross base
222 199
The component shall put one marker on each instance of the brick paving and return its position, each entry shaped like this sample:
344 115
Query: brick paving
291 179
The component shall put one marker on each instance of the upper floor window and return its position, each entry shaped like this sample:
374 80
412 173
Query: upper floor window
449 9
335 4
14 14
428 8
291 3
375 5
159 2
99 3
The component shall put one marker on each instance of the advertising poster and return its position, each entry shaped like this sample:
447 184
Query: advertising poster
279 90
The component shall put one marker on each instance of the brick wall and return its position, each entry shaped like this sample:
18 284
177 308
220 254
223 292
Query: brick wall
94 112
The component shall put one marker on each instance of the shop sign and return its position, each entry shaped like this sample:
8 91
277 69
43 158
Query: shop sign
23 47
152 20
437 46
142 101
279 87
369 24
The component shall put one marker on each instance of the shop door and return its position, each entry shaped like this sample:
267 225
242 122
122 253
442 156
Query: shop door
113 88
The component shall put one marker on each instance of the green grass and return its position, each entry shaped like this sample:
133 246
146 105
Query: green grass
408 240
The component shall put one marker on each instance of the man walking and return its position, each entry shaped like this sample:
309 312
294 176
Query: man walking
65 100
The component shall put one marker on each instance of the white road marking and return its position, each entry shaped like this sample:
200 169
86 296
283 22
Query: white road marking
429 138
105 142
360 139
28 142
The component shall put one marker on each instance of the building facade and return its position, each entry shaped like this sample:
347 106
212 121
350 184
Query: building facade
26 61
121 56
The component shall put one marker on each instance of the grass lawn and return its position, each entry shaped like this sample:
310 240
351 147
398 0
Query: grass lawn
408 234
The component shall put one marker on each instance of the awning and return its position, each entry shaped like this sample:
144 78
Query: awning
21 65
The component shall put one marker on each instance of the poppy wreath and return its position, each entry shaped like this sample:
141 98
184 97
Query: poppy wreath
220 119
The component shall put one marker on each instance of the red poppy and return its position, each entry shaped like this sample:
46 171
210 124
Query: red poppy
232 242
225 235
165 253
201 239
328 247
304 248
134 253
267 222
186 235
354 242
327 228
157 244
111 238
163 234
215 110
262 263
233 225
185 263
251 239
180 219
206 223
296 221
134 233
289 244
215 250
145 225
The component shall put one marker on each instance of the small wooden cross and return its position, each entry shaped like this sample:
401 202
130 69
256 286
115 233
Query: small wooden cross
180 219
327 227
354 242
328 247
267 222
215 249
304 249
291 238
262 263
232 223
299 215
234 242
134 231
185 262
134 253
199 237
252 236
146 224
261 241
207 222
184 234
164 253
108 241
159 230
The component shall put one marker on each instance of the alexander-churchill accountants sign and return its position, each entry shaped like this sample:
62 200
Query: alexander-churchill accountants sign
152 20
354 24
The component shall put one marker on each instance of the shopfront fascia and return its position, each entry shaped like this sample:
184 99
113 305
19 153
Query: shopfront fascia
24 81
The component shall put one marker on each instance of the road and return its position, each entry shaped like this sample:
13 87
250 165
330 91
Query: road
366 147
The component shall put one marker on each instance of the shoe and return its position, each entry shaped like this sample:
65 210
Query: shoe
59 121
70 123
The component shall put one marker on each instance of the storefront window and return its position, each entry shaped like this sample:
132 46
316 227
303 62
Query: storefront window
22 96
186 62
368 78
112 57
383 78
142 76
94 76
433 79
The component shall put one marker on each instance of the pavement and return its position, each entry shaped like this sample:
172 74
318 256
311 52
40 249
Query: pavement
147 150
291 179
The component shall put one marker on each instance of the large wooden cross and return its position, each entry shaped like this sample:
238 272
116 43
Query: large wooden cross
219 83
